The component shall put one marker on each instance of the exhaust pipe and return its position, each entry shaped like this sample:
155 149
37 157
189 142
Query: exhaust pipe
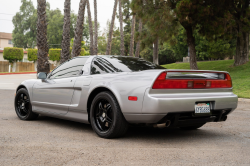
163 125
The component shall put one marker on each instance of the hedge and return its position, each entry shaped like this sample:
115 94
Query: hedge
32 54
13 54
55 54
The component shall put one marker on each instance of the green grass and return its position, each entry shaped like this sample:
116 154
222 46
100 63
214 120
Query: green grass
240 74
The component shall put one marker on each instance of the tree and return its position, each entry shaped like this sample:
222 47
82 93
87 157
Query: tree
115 45
13 54
43 62
55 28
91 46
79 29
159 24
240 12
32 54
121 28
96 30
138 44
108 50
65 54
132 39
24 33
126 13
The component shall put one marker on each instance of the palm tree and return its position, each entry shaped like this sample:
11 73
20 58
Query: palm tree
138 45
96 30
121 28
132 40
42 44
79 29
108 50
91 47
65 54
156 51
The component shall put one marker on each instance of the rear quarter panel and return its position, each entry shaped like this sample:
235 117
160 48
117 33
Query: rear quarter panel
126 84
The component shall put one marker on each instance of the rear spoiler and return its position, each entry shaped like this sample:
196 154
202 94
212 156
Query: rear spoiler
192 79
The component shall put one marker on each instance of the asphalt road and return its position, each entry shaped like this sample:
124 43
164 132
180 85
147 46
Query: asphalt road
49 141
12 81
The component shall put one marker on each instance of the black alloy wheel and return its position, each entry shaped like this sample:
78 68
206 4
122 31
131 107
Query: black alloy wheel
106 117
103 115
23 106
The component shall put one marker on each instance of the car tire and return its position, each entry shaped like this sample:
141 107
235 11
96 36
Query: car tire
193 127
23 106
106 117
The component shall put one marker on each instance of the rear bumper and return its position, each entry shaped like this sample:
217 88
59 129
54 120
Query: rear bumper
157 106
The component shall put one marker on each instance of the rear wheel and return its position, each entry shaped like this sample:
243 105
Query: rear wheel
194 127
23 106
106 117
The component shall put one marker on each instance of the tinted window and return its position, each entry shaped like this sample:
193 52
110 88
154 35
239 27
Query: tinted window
111 64
70 68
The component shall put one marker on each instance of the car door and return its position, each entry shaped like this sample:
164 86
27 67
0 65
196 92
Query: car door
54 94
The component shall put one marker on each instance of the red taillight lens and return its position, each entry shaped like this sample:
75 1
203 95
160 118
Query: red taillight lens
162 83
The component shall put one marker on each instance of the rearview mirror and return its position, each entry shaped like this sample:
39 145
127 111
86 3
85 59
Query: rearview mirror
42 75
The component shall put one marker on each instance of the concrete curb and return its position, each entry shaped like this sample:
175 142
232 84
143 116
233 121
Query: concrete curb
244 100
18 73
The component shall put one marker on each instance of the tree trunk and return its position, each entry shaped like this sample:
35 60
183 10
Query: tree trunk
242 50
42 45
156 51
65 53
138 45
111 29
132 39
79 29
191 46
91 46
121 28
96 30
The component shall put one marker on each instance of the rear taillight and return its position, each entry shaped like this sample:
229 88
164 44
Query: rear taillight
165 83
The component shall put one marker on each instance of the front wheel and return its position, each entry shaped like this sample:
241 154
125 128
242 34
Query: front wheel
106 117
23 106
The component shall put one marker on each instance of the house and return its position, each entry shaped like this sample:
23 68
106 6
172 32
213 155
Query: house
5 40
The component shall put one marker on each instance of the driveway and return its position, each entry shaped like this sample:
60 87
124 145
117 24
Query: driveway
50 141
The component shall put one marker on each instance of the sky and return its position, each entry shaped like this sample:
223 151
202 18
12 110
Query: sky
8 8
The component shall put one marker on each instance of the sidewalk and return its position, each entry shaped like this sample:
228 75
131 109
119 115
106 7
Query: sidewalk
244 100
33 72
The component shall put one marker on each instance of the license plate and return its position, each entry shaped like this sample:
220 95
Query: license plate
202 108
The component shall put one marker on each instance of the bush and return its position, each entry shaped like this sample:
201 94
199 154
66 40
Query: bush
32 54
83 52
13 54
55 54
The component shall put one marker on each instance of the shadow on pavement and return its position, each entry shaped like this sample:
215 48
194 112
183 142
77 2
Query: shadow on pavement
142 133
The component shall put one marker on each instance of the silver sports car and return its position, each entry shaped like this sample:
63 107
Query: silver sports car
111 92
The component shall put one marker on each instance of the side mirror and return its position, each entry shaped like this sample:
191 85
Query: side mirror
42 75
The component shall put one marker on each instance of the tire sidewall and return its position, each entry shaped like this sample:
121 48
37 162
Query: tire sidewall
110 99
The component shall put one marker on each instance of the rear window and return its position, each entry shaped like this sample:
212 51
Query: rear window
113 64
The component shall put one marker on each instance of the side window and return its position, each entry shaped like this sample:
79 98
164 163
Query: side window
70 68
102 66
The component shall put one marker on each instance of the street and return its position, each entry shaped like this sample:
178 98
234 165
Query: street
50 141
